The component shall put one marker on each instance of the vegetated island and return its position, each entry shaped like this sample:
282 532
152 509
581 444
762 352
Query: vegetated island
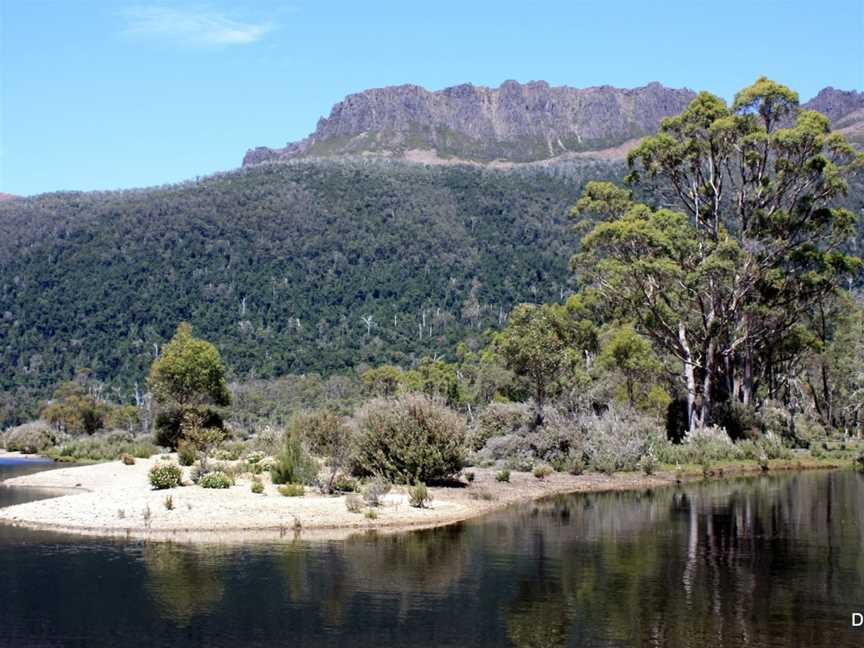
115 499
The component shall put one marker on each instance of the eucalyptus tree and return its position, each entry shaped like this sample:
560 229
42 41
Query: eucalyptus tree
744 233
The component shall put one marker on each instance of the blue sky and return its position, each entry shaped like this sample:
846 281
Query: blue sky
112 94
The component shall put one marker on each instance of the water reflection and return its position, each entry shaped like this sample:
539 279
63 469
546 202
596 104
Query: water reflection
770 561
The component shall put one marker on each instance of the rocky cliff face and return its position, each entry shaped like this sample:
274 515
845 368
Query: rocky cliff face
514 122
511 123
837 104
845 108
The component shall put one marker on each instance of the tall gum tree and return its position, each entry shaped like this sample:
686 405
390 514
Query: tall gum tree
743 235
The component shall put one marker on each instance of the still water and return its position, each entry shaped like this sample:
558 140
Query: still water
767 561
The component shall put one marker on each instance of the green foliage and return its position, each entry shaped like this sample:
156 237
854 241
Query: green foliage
215 479
164 475
537 346
292 490
76 410
503 475
542 471
308 247
294 465
327 435
751 238
408 439
169 502
418 495
169 424
257 486
188 373
186 453
103 447
469 476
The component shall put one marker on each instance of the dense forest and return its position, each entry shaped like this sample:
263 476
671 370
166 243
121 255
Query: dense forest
287 268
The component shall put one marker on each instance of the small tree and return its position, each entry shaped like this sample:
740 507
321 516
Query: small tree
537 346
188 376
328 435
203 439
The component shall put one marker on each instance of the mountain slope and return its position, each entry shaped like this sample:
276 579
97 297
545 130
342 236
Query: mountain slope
514 122
277 264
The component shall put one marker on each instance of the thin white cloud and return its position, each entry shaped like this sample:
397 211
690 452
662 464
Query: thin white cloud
200 28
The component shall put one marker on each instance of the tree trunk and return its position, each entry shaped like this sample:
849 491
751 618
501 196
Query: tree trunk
689 378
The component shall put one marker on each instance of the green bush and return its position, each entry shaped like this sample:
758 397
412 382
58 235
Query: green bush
418 495
186 453
164 475
470 476
648 463
502 475
542 471
292 490
257 486
29 438
294 465
409 439
859 460
344 484
215 479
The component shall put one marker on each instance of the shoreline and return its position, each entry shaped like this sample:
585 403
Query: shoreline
115 501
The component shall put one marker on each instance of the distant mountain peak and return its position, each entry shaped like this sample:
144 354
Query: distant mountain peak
514 122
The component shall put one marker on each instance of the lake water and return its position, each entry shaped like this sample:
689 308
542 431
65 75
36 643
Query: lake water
767 561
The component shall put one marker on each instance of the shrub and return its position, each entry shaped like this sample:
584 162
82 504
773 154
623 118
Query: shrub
499 419
469 476
292 490
859 460
418 495
808 431
215 479
344 484
103 447
411 438
354 503
617 439
186 453
196 473
542 471
29 438
502 475
375 490
169 502
708 444
327 435
371 514
294 465
577 465
257 486
164 475
255 457
648 463
127 459
169 424
772 447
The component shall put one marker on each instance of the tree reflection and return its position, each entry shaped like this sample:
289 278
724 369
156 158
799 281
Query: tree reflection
183 582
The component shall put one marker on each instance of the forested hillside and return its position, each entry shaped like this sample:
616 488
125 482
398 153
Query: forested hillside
287 268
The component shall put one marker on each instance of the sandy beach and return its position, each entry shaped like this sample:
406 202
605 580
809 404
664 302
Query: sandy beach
113 499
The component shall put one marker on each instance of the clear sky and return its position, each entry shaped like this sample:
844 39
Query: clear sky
102 94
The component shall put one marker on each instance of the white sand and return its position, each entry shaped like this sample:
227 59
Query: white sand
113 499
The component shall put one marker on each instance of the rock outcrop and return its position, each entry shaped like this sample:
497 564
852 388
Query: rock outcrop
514 122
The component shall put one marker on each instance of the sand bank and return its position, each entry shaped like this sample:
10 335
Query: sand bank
112 499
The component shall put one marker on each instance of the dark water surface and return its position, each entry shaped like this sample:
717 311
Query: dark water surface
768 561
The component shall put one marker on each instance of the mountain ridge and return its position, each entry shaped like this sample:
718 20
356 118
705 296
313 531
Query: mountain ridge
512 124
